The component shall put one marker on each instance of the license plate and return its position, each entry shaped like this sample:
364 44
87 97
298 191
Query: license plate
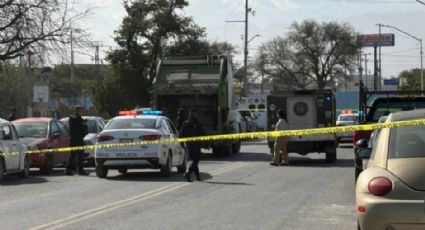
126 140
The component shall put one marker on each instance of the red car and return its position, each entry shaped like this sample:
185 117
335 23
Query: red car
44 133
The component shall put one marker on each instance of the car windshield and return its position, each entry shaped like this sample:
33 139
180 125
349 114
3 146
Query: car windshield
31 129
407 142
136 123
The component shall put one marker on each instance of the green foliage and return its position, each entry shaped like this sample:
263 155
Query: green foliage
312 55
411 79
13 90
152 29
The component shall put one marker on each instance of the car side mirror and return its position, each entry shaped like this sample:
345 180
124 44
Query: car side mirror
362 143
364 153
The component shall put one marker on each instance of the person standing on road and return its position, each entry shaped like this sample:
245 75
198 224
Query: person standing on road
280 156
78 130
181 117
12 115
192 128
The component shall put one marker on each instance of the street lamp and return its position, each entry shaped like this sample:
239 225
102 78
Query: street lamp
421 52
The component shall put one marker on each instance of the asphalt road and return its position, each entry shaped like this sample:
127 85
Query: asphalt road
242 192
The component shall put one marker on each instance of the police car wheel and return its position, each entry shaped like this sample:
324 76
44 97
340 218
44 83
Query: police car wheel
101 172
182 168
167 168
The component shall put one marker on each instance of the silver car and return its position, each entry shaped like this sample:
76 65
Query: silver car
95 125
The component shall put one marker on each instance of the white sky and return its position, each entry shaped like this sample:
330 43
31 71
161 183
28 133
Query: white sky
273 17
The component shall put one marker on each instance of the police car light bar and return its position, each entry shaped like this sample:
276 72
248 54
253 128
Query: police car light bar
152 112
128 113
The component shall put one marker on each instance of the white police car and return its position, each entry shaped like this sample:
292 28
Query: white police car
131 127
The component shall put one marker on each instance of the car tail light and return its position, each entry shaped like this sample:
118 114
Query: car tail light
101 138
150 137
380 186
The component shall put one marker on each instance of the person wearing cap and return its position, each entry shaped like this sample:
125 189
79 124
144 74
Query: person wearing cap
12 115
78 130
192 128
280 156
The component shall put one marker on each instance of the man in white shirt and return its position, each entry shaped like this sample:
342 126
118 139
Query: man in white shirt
280 156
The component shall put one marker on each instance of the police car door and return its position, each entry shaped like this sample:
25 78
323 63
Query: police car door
177 153
301 113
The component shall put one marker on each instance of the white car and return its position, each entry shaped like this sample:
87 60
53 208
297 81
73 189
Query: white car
346 119
133 128
95 125
9 143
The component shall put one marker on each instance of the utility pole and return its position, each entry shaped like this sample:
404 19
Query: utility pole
72 67
421 52
97 61
245 58
365 68
30 91
380 56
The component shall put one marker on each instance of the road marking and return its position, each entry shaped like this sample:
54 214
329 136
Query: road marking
129 201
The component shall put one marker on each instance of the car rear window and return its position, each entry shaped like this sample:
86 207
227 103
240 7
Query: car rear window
348 118
136 123
407 142
31 129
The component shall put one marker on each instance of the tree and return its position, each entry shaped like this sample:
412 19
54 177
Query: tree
312 55
14 90
152 29
411 79
30 25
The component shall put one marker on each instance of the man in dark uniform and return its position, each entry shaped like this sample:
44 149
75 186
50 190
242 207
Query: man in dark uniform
78 130
192 128
181 117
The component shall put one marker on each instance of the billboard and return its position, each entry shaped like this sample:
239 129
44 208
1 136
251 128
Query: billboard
372 40
40 93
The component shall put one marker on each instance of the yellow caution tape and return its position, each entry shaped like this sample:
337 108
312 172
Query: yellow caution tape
253 135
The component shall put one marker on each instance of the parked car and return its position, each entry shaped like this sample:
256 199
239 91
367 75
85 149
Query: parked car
44 133
390 191
133 128
95 125
346 119
360 164
18 162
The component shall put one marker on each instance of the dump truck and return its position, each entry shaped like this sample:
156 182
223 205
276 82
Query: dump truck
205 84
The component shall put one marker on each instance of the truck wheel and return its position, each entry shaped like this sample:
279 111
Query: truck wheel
236 147
167 168
331 157
48 165
101 171
227 150
216 151
182 168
